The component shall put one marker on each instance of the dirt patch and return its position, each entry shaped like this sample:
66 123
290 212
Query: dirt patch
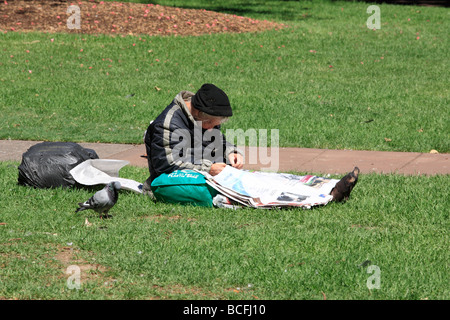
68 256
120 18
166 292
162 218
177 290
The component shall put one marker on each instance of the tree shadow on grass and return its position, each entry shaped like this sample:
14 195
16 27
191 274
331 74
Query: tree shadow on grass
429 3
294 11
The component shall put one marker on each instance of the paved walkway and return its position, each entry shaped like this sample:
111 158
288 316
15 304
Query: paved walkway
283 160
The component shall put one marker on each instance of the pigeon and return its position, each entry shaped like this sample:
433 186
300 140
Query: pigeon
342 189
103 200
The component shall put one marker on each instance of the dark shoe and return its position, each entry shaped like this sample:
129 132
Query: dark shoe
342 189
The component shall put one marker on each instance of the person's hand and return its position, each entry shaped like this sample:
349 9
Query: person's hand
216 168
236 160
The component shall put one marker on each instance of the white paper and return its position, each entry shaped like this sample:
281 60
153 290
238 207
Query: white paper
103 171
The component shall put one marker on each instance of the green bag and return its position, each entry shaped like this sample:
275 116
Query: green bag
183 187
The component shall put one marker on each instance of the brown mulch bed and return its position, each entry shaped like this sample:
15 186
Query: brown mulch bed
121 18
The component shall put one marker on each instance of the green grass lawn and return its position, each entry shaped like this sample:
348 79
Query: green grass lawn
327 81
152 251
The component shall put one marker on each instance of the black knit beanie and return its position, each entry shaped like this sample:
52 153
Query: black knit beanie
212 100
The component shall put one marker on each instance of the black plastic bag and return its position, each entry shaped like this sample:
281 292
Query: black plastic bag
48 164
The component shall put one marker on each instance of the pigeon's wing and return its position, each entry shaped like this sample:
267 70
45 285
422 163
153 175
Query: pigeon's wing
113 195
99 202
102 201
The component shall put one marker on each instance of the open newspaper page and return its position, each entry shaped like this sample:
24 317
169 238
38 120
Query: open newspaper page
266 190
102 171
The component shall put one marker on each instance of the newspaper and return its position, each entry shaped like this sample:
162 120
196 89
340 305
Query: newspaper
103 171
267 190
257 189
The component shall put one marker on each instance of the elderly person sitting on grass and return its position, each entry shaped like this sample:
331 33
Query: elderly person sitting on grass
186 135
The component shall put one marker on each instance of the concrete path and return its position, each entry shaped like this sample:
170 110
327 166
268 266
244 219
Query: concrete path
316 161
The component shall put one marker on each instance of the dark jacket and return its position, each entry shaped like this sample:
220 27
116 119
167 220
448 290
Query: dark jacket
175 141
